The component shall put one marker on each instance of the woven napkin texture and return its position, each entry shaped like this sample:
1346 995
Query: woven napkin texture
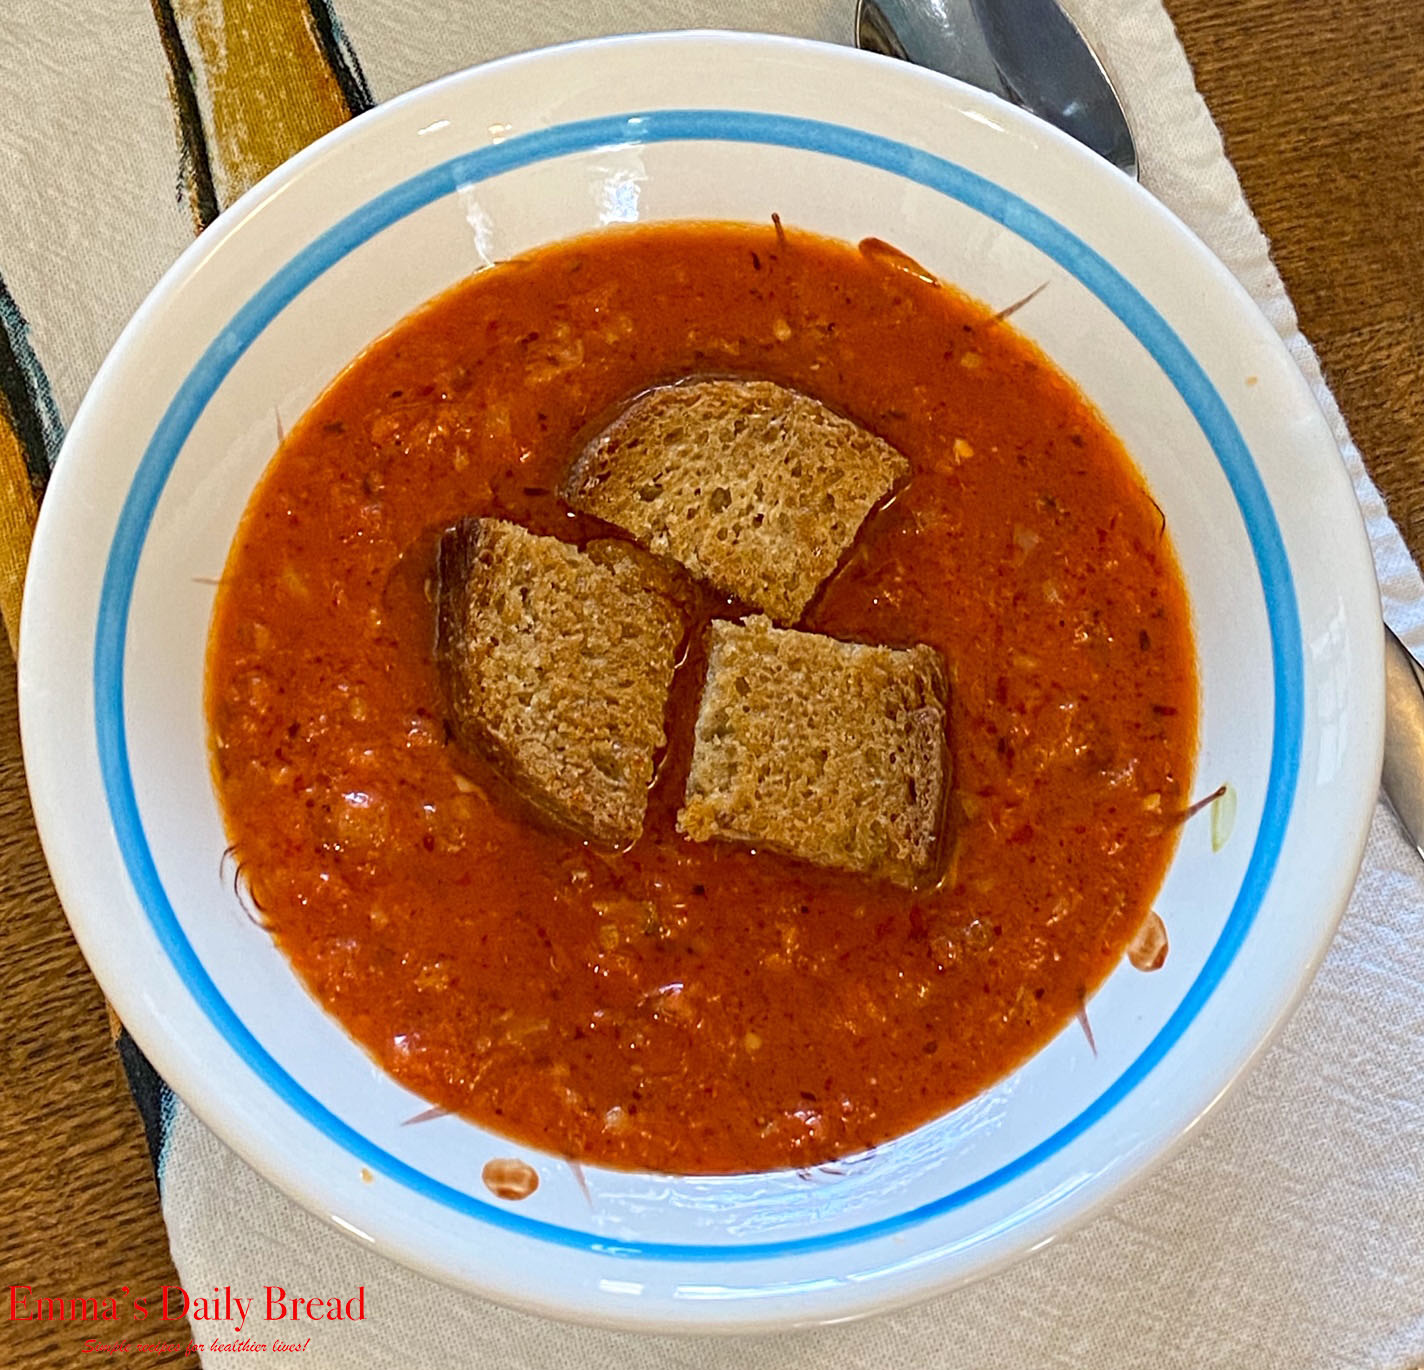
1288 1233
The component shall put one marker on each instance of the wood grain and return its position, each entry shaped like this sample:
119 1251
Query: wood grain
1322 109
80 1207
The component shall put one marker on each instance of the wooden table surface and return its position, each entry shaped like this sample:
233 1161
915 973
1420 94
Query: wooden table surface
1322 108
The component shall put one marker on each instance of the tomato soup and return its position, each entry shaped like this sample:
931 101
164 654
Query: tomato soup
680 1006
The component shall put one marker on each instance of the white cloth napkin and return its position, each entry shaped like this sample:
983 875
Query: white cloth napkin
1288 1233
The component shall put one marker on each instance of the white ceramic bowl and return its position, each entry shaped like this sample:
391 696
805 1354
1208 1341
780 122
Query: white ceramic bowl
285 288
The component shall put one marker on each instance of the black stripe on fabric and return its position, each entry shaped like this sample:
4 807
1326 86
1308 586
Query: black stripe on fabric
26 396
150 1093
340 57
196 170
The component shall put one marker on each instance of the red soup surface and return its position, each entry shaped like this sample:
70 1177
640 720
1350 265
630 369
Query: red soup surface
680 1006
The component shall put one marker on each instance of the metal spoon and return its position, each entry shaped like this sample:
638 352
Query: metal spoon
1030 52
1403 778
1027 51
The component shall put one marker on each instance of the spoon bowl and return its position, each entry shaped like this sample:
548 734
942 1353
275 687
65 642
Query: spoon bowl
1025 51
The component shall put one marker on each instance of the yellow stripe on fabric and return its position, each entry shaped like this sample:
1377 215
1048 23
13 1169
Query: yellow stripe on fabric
17 526
264 86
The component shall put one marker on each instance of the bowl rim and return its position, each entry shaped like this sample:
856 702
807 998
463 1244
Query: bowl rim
638 126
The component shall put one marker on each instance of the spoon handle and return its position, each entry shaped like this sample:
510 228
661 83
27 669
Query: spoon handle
1403 778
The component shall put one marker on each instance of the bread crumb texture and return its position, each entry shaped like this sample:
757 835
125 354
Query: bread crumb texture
754 487
556 665
832 752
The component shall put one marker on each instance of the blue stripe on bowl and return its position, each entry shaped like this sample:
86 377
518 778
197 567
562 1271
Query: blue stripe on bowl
832 140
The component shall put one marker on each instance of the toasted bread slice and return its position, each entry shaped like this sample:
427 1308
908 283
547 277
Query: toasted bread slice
754 487
556 665
829 751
